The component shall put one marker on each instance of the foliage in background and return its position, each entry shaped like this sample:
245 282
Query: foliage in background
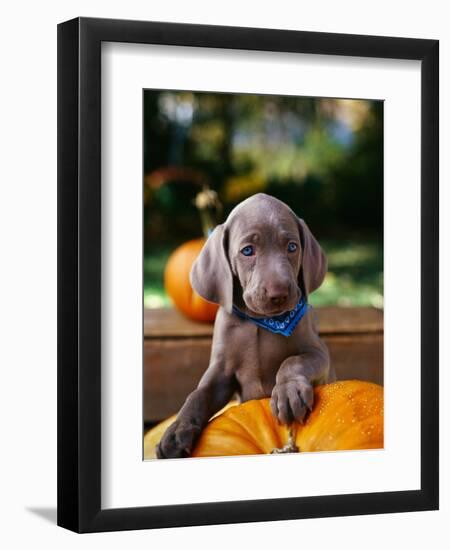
354 278
323 157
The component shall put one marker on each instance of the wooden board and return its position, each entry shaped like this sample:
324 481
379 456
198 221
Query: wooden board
177 351
169 323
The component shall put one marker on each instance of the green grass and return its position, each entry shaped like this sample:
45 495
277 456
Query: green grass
355 274
154 293
354 278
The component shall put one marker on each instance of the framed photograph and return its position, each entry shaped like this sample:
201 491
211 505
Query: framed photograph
247 274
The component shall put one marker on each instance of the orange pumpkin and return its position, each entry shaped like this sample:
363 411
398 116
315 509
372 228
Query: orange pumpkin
178 287
153 436
347 415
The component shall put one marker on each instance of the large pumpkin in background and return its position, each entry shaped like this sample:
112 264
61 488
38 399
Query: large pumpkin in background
347 415
178 287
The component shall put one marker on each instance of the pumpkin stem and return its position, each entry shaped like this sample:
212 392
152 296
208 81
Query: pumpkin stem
209 207
290 446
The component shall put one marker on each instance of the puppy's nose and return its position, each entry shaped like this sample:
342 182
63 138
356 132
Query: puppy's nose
277 295
278 300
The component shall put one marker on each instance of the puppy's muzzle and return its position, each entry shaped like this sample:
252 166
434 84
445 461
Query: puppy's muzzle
277 295
272 298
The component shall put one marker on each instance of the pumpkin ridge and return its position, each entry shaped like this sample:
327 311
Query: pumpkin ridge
271 421
236 428
273 427
247 428
244 430
219 431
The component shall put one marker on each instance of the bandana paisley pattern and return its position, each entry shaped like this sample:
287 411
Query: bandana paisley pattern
280 324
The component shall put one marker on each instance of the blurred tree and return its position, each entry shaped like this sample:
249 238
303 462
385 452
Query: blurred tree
322 156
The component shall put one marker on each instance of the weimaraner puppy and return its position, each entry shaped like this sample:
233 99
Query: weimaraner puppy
260 266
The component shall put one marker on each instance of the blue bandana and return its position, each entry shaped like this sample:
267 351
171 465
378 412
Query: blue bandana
280 324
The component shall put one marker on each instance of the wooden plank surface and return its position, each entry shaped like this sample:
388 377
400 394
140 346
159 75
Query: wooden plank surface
177 351
172 368
169 323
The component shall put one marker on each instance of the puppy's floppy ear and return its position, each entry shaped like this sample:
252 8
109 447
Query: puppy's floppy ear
314 262
211 275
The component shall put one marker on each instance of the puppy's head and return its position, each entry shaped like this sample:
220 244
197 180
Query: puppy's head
262 259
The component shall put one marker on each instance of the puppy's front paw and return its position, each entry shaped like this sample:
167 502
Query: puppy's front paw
178 440
291 400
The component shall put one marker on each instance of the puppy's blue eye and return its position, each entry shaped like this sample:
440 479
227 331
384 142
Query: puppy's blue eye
292 247
247 251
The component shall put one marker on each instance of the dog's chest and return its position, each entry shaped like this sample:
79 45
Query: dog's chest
260 356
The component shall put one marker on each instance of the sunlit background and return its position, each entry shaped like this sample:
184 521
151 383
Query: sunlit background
322 156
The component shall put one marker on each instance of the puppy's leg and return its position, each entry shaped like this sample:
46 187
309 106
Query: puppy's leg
293 394
214 391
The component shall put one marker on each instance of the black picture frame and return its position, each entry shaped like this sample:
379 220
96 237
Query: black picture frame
79 273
